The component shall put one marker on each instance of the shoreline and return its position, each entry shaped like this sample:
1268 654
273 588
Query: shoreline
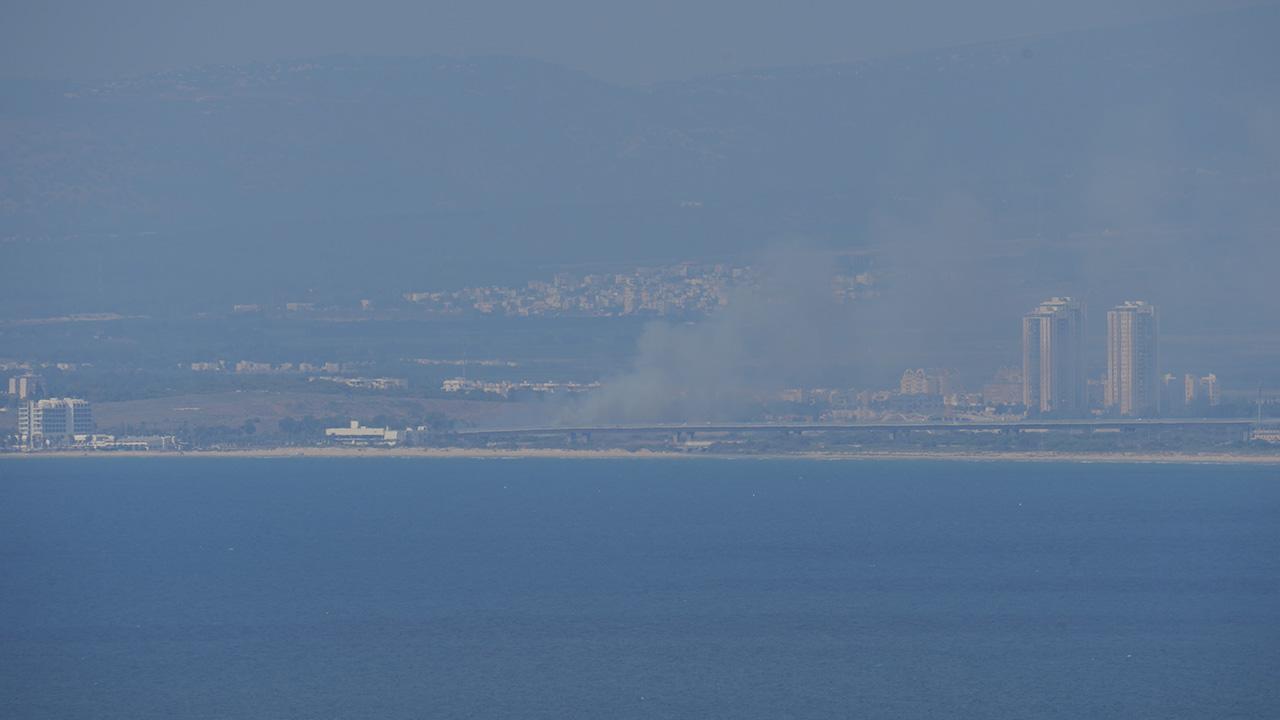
619 454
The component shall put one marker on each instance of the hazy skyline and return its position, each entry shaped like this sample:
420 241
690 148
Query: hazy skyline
624 43
1132 159
632 360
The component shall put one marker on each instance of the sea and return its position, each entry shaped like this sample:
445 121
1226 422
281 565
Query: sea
545 588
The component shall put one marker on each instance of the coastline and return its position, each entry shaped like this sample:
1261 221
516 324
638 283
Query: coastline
619 454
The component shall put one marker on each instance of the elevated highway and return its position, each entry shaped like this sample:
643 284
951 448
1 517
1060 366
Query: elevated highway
691 429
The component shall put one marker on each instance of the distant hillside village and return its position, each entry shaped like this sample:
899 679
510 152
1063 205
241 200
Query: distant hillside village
684 289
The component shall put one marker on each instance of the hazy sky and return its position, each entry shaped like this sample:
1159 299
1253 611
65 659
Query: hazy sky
624 42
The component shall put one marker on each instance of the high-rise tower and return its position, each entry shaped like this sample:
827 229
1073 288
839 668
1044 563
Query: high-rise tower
53 420
1133 373
1053 372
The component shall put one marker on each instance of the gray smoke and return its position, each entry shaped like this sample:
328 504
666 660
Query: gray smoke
787 330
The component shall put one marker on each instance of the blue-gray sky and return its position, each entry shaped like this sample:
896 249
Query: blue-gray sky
631 42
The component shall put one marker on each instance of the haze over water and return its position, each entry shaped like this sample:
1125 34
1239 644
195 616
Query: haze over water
637 589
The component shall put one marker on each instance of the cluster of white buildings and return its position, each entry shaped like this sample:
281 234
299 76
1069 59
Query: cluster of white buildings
506 387
679 289
333 372
254 367
363 383
289 307
675 290
455 362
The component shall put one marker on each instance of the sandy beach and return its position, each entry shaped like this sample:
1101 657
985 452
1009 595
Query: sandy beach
615 454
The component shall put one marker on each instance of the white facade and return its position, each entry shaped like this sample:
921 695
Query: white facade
53 421
354 433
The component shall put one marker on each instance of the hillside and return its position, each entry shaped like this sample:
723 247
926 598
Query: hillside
1108 145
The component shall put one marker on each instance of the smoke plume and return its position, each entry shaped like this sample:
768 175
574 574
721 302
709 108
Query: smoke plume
788 328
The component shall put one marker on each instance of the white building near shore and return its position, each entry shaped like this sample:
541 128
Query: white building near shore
356 435
53 421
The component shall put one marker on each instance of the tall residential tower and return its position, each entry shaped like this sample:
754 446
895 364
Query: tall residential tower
1133 372
1053 372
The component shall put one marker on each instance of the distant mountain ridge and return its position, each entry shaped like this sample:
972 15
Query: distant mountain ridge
386 135
1164 125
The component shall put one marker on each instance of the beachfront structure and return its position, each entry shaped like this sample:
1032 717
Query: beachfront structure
354 434
53 421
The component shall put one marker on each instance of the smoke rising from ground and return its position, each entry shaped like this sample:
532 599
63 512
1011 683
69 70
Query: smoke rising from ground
788 329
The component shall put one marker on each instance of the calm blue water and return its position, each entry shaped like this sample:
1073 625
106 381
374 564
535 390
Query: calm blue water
220 588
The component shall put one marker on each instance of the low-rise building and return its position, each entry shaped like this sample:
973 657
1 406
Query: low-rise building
917 382
146 443
1267 435
356 435
926 382
506 388
363 383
